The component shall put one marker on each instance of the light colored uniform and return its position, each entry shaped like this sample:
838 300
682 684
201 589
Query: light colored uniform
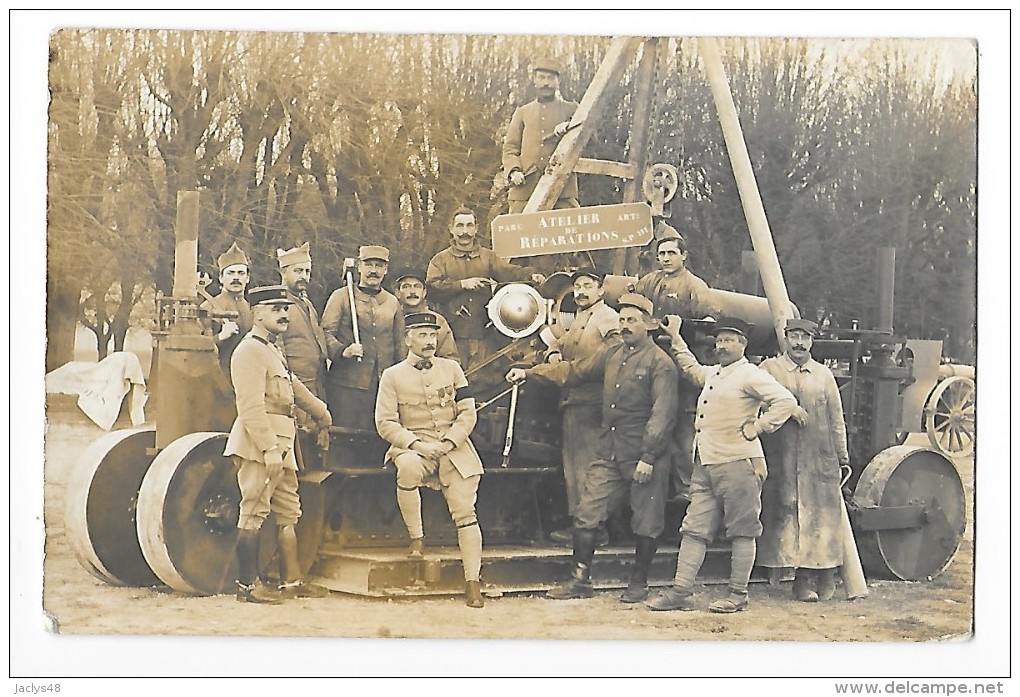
266 394
729 470
423 405
801 501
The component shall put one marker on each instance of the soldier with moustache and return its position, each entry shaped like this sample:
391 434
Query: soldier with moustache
227 333
532 136
738 403
353 377
411 292
462 278
674 290
305 346
594 325
425 412
639 397
802 503
233 266
262 442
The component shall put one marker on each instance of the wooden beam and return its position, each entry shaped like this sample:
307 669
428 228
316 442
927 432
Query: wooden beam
637 155
747 186
620 170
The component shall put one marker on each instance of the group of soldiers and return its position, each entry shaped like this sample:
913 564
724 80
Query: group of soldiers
640 425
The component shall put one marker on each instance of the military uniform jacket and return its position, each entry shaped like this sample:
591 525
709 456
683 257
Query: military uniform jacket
639 398
731 396
224 302
592 328
681 293
529 143
266 394
415 404
466 309
380 328
305 345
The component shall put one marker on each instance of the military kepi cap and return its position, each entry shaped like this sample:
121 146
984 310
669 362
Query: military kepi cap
297 255
421 319
373 251
804 325
269 295
636 300
408 272
732 324
231 257
586 271
547 63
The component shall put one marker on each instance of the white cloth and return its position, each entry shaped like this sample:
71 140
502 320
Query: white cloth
101 387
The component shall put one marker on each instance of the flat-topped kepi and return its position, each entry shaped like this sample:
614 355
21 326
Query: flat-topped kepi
296 255
731 324
408 272
373 251
232 257
421 319
636 300
547 63
586 271
804 325
269 295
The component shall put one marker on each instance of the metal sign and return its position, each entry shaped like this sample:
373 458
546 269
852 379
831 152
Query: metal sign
572 230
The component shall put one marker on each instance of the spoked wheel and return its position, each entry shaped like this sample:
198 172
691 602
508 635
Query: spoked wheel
102 496
949 417
918 513
188 508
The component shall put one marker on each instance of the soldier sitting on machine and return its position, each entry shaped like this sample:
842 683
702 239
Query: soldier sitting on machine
424 412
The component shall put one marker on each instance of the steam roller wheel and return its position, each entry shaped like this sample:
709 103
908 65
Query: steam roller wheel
101 504
949 417
188 507
912 476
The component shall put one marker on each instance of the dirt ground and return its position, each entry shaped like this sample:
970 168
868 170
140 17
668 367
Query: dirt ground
939 610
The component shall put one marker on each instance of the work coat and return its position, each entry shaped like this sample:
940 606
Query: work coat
801 499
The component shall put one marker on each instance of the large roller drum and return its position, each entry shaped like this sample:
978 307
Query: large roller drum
910 513
187 516
102 494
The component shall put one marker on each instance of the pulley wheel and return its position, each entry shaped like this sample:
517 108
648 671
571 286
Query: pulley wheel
949 417
102 494
908 475
188 507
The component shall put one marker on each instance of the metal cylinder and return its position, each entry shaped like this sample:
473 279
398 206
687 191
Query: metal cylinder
886 282
186 246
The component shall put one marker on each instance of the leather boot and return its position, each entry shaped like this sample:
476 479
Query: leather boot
825 583
248 589
579 585
802 589
644 552
473 594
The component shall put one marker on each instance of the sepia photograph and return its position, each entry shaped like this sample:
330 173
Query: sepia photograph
375 339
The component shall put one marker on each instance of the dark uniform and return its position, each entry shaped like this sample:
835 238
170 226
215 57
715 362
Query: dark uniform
351 385
466 309
684 294
530 142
